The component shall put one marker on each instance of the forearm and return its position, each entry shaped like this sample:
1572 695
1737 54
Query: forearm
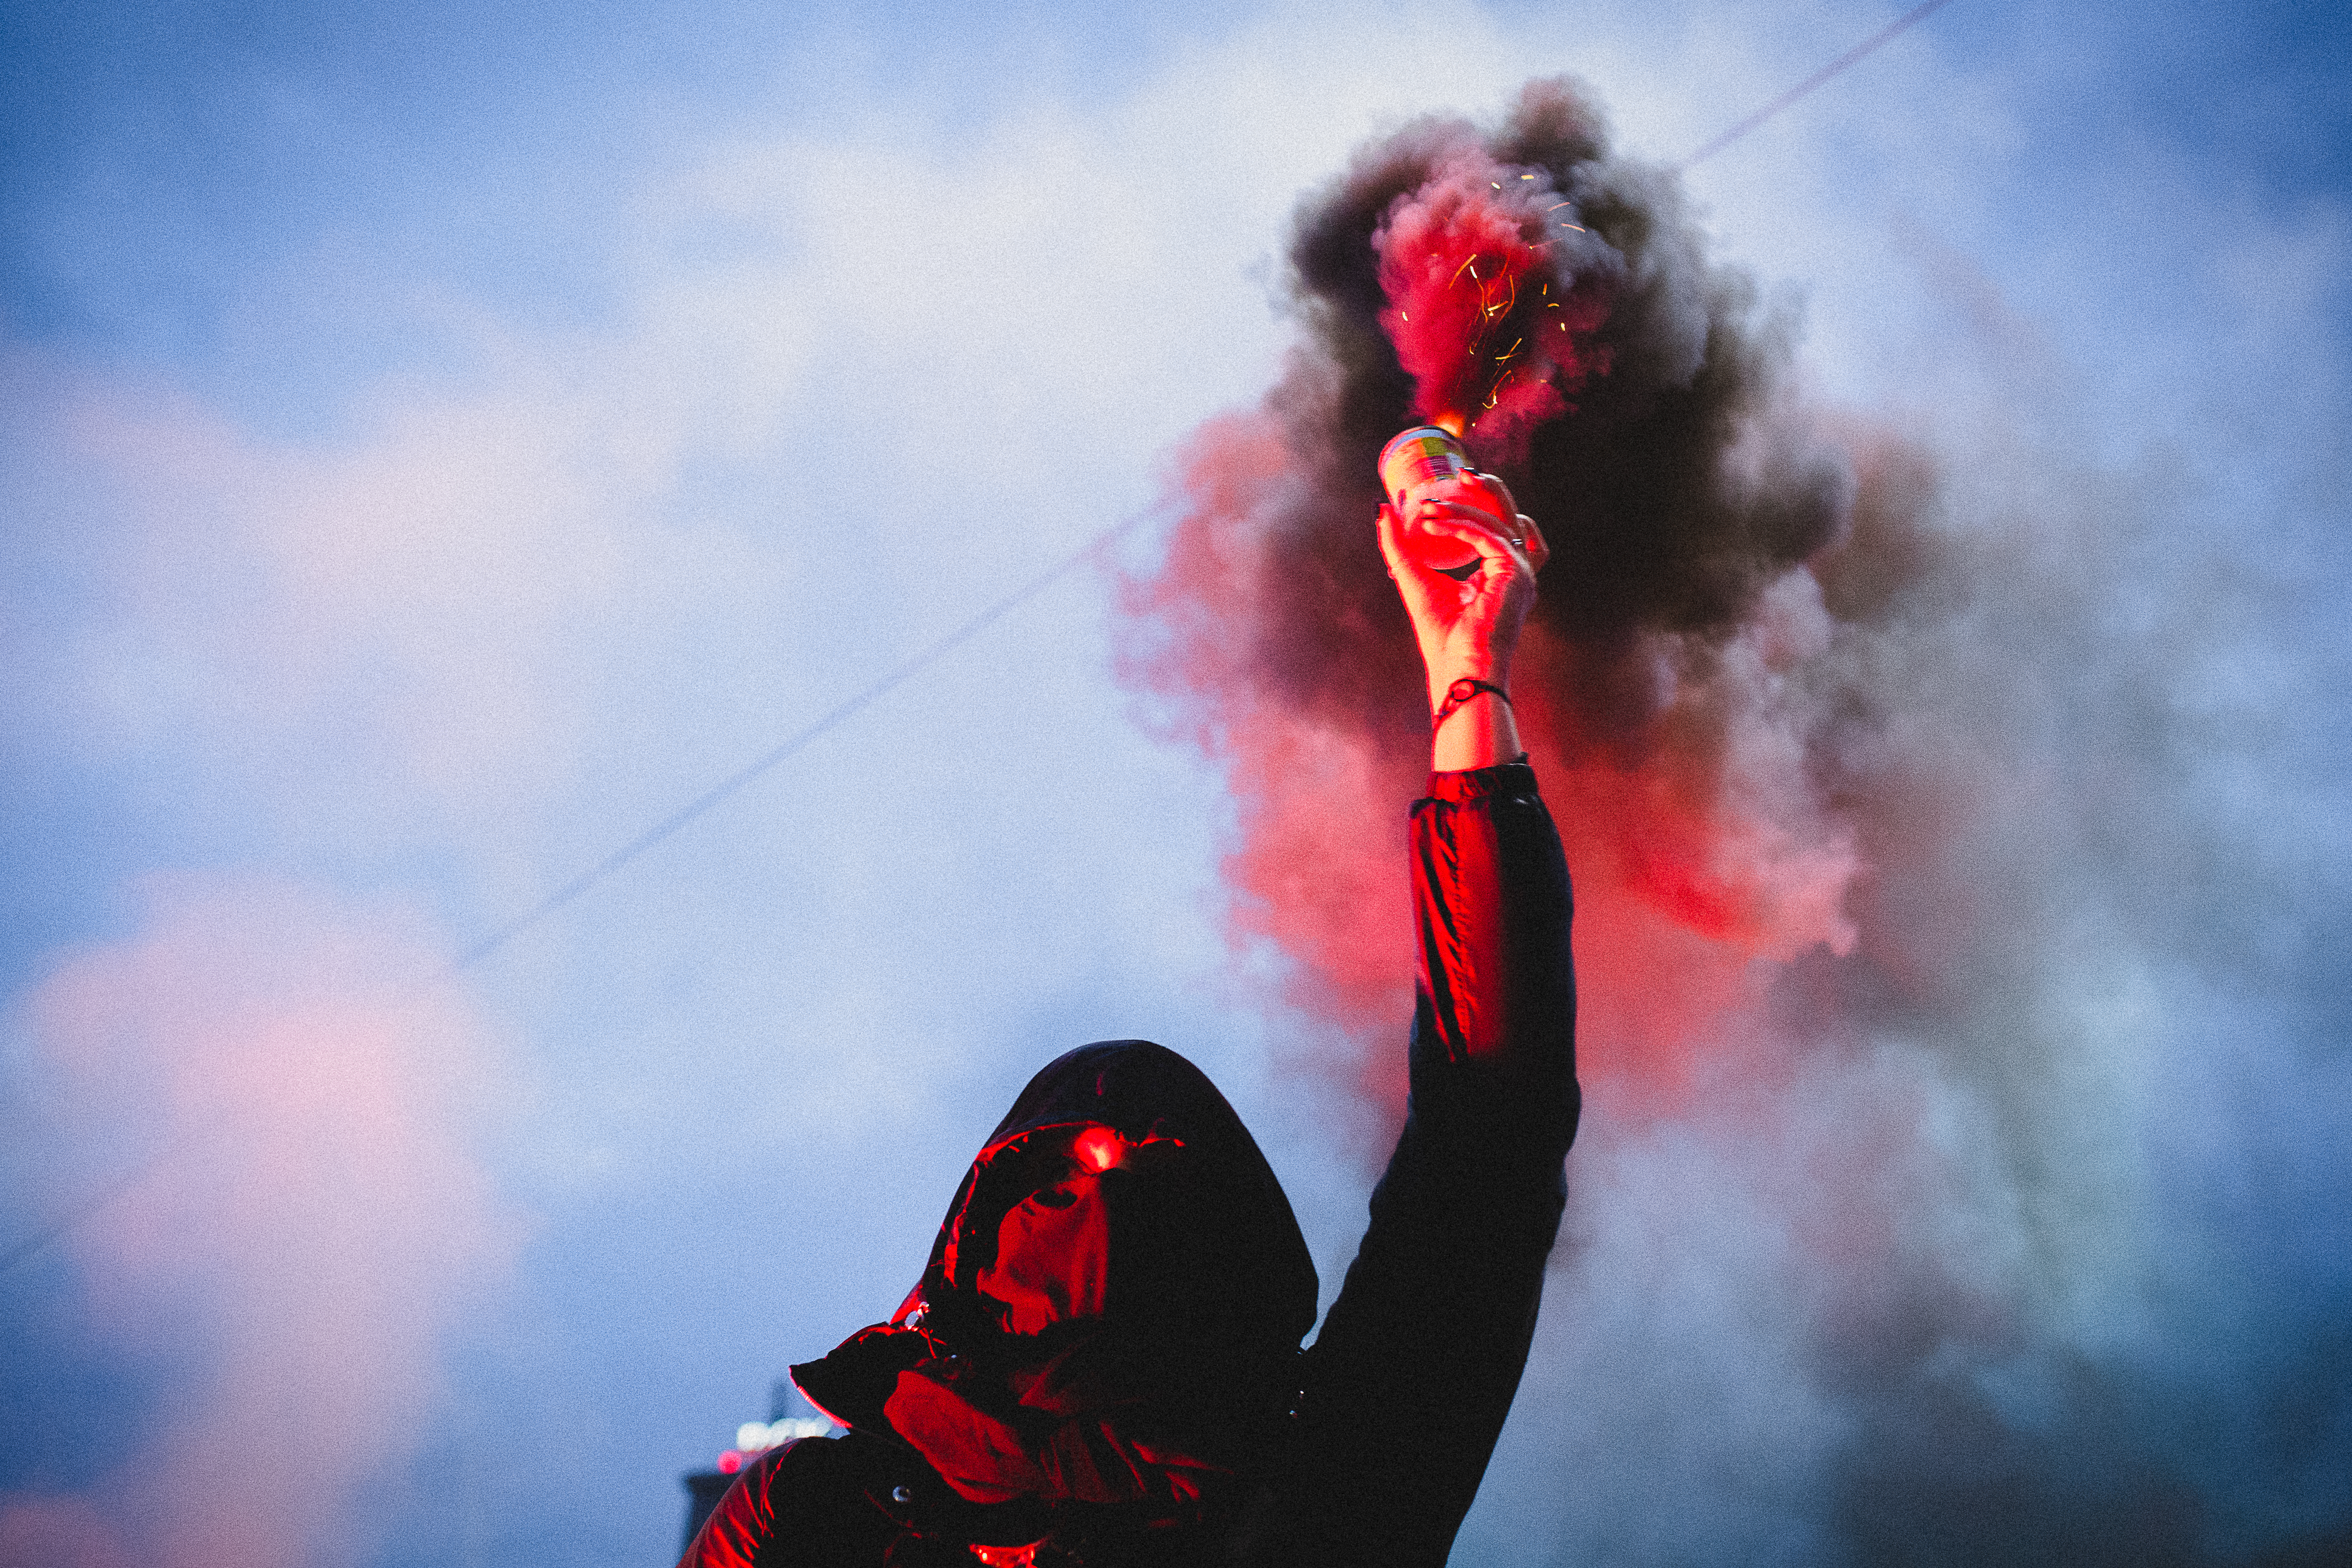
1431 1329
1492 907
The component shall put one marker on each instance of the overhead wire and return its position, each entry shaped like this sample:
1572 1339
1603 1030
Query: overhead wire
898 676
913 665
906 670
1846 61
931 655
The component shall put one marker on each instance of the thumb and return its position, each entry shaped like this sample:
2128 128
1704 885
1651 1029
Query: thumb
1385 523
1412 579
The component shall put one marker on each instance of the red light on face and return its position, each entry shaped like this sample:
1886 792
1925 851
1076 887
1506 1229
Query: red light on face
1098 1149
730 1462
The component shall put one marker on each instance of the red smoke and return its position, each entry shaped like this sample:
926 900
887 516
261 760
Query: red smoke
57 1532
313 1220
1668 686
1884 885
1306 867
1697 845
1488 308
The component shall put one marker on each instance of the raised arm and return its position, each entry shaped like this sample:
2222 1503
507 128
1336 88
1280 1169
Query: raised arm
1409 1382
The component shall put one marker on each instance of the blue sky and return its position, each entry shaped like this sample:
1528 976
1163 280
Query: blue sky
438 444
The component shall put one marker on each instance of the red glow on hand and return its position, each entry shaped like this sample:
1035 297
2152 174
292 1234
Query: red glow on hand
1689 870
730 1462
1098 1149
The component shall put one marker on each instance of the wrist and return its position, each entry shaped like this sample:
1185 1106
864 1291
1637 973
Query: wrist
1463 691
1443 673
1478 733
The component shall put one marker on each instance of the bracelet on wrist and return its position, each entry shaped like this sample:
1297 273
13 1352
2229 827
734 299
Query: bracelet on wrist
1462 691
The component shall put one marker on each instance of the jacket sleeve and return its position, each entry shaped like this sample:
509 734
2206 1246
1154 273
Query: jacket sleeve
1408 1384
739 1530
808 1504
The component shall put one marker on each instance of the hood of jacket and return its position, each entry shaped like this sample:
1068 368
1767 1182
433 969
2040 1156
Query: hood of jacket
1111 1311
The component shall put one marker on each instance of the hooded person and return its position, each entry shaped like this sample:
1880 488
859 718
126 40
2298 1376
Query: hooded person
1100 1364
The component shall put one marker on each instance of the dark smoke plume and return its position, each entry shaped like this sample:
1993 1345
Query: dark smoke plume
1670 504
1680 493
1940 1024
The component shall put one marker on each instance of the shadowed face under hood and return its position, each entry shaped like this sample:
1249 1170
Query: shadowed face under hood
1112 1309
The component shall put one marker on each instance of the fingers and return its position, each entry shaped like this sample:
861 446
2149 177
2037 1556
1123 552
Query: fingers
1479 528
1411 580
1520 526
1385 526
1502 491
1539 551
1470 612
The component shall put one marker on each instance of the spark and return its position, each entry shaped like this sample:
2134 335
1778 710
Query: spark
1488 308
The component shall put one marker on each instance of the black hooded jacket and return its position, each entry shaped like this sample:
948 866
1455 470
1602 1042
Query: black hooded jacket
1100 1364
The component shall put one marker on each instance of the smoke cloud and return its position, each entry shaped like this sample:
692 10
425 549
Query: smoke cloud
1662 684
308 1220
1875 768
1963 1173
